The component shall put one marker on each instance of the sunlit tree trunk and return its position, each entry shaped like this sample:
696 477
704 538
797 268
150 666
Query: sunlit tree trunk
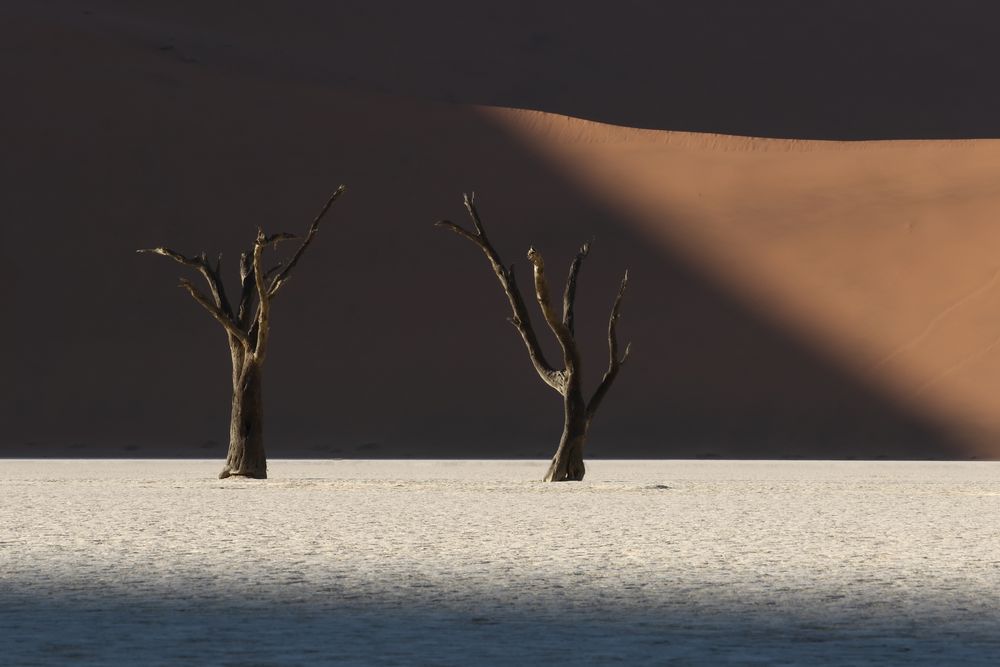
567 464
248 328
246 456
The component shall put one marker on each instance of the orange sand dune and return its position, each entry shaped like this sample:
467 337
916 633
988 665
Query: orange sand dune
788 298
882 252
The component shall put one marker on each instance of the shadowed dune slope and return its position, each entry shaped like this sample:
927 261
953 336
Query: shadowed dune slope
832 69
788 298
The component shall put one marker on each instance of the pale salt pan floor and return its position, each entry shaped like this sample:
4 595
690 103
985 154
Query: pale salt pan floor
475 562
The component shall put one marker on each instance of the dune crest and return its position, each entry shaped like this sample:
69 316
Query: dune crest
568 129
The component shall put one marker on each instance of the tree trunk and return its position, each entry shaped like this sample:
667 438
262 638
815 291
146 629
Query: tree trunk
567 464
246 427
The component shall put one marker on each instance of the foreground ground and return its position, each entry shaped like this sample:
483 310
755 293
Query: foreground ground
434 562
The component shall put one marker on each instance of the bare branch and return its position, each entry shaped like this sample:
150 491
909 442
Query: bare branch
521 321
479 236
520 318
562 334
200 263
274 269
174 255
569 296
214 311
263 299
470 206
218 287
248 322
275 239
282 276
614 363
247 286
451 226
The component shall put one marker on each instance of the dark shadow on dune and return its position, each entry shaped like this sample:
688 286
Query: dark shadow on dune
834 69
392 340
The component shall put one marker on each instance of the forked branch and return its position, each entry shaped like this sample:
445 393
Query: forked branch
262 321
519 318
212 276
559 329
215 312
279 280
614 362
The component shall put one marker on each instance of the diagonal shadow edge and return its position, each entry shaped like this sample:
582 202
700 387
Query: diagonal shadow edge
899 427
720 378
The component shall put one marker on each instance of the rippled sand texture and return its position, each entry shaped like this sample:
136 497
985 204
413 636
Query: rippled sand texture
393 562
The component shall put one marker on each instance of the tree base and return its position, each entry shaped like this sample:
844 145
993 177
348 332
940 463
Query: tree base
249 474
566 468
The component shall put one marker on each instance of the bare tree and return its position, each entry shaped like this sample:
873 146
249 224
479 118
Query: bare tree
247 327
567 464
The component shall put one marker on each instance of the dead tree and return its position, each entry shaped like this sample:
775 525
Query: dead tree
567 464
247 327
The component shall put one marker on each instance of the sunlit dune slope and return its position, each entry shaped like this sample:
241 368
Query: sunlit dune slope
788 298
882 252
